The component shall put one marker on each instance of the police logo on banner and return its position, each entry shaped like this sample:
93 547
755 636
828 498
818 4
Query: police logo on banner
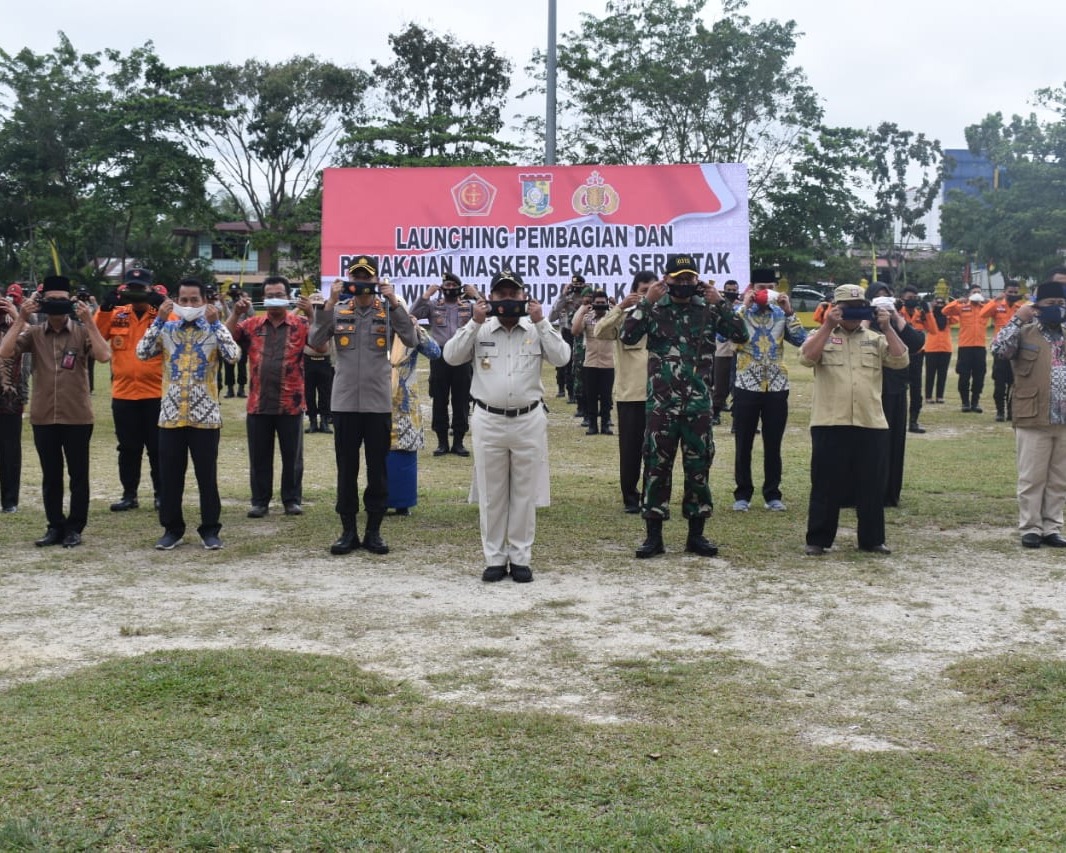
473 196
595 196
536 195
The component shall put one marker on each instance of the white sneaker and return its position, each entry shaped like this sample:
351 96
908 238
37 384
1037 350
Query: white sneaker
775 506
741 506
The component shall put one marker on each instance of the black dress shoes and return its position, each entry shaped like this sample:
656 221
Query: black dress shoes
521 574
494 573
293 508
124 504
459 450
347 542
257 511
52 536
1031 540
1054 540
442 450
72 540
877 549
373 542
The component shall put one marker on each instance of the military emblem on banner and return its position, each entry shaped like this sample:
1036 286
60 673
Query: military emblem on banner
473 196
595 196
536 195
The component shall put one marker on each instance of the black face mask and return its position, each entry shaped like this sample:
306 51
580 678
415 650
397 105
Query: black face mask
857 312
451 293
1013 297
55 307
730 296
911 303
1051 315
361 288
599 309
509 307
682 291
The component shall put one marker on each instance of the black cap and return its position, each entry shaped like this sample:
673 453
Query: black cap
365 263
505 277
677 264
452 278
577 279
764 275
909 288
56 282
138 275
1046 290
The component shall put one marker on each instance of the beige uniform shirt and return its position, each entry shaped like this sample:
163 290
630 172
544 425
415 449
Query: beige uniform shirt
630 360
847 379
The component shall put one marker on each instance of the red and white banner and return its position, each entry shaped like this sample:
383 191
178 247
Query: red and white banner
546 224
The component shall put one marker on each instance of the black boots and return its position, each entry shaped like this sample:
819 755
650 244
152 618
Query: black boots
653 542
697 543
348 541
457 445
916 427
442 444
605 428
372 540
313 427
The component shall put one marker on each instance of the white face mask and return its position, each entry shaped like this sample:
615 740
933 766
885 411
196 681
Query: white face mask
189 314
276 303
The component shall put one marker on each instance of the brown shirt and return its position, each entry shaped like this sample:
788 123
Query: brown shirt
60 373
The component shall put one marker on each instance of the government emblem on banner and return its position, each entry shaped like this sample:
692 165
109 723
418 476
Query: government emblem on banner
473 196
595 196
536 195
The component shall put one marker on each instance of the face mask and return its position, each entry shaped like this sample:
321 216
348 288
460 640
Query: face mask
509 307
730 296
361 288
911 303
451 293
977 297
55 307
854 313
682 291
599 309
1051 315
761 298
937 306
276 303
1012 298
188 313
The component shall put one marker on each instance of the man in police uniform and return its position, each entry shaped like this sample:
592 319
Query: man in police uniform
507 339
681 328
136 386
361 329
447 382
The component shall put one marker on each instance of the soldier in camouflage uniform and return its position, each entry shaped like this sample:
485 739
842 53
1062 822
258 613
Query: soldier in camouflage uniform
681 328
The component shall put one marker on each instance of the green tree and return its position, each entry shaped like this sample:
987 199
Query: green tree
1018 219
268 130
438 103
91 165
649 82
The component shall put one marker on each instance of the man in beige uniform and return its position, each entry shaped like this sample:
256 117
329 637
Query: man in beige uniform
630 391
509 424
849 431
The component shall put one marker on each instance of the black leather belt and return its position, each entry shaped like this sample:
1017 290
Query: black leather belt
509 413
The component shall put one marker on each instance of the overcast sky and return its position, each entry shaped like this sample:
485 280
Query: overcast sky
928 65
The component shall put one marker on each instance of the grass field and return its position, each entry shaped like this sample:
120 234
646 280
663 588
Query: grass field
253 748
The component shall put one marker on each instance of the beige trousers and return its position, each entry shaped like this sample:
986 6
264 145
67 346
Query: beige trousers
1041 478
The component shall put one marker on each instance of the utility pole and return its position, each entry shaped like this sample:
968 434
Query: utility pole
549 119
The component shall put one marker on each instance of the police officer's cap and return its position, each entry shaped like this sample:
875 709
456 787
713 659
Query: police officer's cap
577 279
452 278
505 277
680 264
138 276
365 263
849 293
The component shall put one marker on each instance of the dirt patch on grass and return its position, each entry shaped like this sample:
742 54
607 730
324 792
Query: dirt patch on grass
858 644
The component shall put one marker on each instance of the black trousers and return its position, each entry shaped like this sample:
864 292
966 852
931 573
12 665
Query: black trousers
599 383
450 384
914 383
137 431
723 381
1002 383
240 369
175 448
848 465
371 431
971 364
564 376
748 408
10 459
318 386
895 409
56 442
632 421
289 430
936 374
